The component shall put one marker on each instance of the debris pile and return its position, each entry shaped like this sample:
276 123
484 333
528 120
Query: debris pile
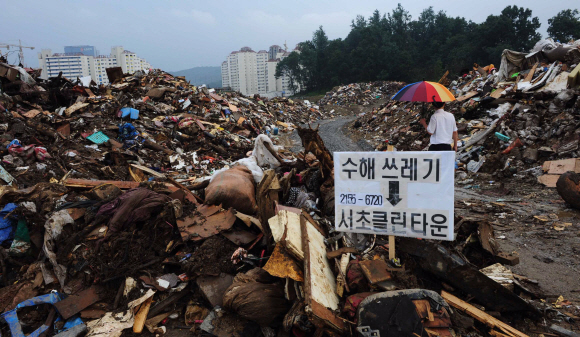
151 206
360 93
510 121
57 126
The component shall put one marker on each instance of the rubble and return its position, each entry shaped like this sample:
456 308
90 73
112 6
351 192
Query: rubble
360 93
531 105
152 205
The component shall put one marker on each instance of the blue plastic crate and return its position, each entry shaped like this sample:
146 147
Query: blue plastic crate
502 137
98 138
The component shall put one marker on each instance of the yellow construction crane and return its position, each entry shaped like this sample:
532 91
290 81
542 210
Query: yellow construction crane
20 46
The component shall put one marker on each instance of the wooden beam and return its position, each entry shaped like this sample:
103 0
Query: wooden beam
391 247
392 254
86 183
141 315
530 75
481 316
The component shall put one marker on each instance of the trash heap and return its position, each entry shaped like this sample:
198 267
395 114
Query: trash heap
126 211
360 93
55 127
510 120
249 251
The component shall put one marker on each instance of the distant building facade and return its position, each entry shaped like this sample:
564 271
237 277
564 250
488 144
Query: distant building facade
251 72
77 64
85 50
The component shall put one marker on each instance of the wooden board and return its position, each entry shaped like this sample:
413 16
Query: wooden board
282 265
375 271
141 315
75 303
424 310
497 93
205 222
339 252
481 316
467 96
530 74
285 229
319 282
564 165
549 180
341 278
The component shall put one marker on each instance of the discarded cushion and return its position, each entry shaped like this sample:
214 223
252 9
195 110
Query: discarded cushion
355 278
135 205
233 188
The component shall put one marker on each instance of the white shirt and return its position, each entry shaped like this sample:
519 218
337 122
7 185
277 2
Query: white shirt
441 126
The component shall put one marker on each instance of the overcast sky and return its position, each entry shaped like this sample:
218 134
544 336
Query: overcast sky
176 35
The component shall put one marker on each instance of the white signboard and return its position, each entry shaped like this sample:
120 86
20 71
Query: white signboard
395 193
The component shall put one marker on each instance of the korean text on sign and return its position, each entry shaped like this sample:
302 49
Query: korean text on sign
395 193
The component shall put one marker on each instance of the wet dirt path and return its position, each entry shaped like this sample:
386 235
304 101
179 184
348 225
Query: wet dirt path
334 133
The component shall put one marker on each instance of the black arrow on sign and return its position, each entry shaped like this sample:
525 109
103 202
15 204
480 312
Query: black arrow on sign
394 198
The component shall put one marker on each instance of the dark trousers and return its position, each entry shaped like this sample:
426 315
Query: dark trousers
440 147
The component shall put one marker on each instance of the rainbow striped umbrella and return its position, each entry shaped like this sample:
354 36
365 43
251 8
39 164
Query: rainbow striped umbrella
423 92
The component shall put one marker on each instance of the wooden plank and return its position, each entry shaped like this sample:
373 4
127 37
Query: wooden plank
339 252
467 96
86 183
319 282
530 75
341 278
546 166
75 303
213 219
391 247
286 230
375 271
148 170
142 315
549 180
282 265
563 166
481 316
444 77
424 310
497 93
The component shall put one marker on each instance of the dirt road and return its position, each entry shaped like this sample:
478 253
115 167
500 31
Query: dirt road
334 134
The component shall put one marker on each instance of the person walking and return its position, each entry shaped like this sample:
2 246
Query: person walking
442 128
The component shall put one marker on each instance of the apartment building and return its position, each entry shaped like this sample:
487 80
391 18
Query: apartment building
77 64
85 50
251 72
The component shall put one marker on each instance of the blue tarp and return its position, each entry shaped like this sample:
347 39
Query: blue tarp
127 131
51 298
7 225
134 113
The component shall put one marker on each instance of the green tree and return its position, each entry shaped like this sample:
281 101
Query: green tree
565 26
524 27
290 66
393 46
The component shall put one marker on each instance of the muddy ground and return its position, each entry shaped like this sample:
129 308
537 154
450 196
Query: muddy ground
549 251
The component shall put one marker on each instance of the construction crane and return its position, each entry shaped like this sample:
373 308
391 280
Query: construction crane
20 46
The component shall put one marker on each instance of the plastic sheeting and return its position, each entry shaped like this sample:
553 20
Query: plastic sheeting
544 45
6 223
53 229
16 329
263 156
511 62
